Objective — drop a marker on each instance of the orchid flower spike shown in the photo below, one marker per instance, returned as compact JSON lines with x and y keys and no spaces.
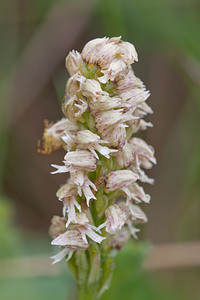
{"x":104,"y":105}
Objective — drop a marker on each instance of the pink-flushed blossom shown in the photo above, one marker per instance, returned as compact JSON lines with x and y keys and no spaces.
{"x":71,"y":240}
{"x":86,"y":229}
{"x":136,"y":193}
{"x":119,"y":179}
{"x":109,"y":118}
{"x":115,"y":135}
{"x":133,"y":213}
{"x":79,"y":163}
{"x":132,"y":98}
{"x":80,"y":160}
{"x":85,"y":139}
{"x":84,"y":185}
{"x":115,"y":219}
{"x":143,"y":151}
{"x":112,"y":56}
{"x":137,"y":214}
{"x":67,"y":194}
{"x":125,"y":155}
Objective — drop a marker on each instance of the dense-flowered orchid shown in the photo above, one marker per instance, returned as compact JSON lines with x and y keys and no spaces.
{"x":104,"y":105}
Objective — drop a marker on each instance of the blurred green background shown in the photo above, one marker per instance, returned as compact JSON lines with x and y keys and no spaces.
{"x":35,"y":38}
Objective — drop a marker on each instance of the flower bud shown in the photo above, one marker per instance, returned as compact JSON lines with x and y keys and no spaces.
{"x":73,"y":62}
{"x":119,"y":179}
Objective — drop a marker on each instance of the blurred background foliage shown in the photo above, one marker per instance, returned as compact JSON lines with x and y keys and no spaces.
{"x":35,"y":38}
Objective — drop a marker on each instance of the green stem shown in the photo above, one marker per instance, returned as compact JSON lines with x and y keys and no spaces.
{"x":87,"y":293}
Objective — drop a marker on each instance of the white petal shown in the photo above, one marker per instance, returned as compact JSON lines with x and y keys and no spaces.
{"x":77,"y":205}
{"x":84,"y":237}
{"x":60,"y":169}
{"x":70,"y":253}
{"x":93,"y":152}
{"x":59,"y":256}
{"x":132,"y":230}
{"x":94,"y":236}
{"x":102,"y":225}
{"x":91,"y":184}
{"x":88,"y":194}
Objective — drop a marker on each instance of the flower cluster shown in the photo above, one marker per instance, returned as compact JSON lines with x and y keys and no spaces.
{"x":104,"y":106}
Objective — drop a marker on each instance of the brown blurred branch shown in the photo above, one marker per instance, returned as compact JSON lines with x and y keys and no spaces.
{"x":47,"y":48}
{"x":173,"y":256}
{"x":191,"y":66}
{"x":168,"y":256}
